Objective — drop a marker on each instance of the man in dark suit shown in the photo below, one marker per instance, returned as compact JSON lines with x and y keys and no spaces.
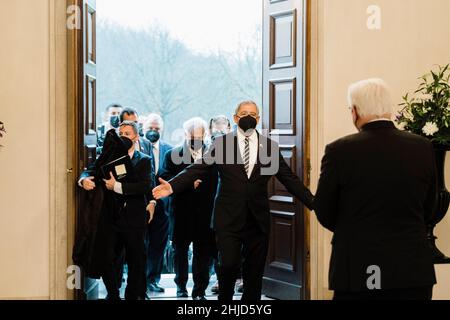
{"x":144,"y":146}
{"x":246,"y":162}
{"x":159,"y":228}
{"x":219,"y":126}
{"x":128,"y":224}
{"x":192,"y":210}
{"x":376,"y":192}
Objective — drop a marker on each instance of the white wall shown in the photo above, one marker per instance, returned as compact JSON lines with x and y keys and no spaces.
{"x":414,"y":36}
{"x":24,"y":161}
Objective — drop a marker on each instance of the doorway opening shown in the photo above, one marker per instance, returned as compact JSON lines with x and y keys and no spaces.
{"x":180,"y":60}
{"x":200,"y":59}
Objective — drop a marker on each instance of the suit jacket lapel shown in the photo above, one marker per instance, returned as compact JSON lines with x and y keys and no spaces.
{"x":257,"y":167}
{"x":240,"y":160}
{"x":136,"y":157}
{"x":161,"y":153}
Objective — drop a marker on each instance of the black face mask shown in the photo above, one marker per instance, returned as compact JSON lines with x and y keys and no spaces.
{"x":127,"y":143}
{"x":153,"y":136}
{"x":114,"y":121}
{"x":196,"y":144}
{"x":248,"y":123}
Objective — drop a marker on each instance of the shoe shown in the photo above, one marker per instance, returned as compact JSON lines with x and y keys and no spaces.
{"x":215,"y":288}
{"x":240,"y":286}
{"x":153,"y":287}
{"x":199,"y":298}
{"x":182,"y":293}
{"x":113,"y":298}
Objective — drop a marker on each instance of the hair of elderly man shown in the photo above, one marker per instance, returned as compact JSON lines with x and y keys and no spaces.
{"x":217,"y":119}
{"x":243,"y":103}
{"x":370,"y":97}
{"x":154,"y":117}
{"x":195,"y":123}
{"x":130,"y":124}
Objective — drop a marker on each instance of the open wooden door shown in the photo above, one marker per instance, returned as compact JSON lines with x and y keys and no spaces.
{"x":284,"y":41}
{"x":85,"y":47}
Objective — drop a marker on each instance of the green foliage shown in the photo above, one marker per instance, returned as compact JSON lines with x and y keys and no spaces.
{"x":429,"y":105}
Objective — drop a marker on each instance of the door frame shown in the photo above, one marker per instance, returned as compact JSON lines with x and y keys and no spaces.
{"x":62,"y":179}
{"x":64,"y":68}
{"x":319,"y":238}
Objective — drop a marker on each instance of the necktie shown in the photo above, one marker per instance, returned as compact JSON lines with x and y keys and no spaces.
{"x":247,"y":155}
{"x":154,"y":172}
{"x":155,"y":153}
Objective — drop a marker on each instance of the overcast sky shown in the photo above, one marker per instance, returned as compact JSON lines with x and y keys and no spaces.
{"x":203,"y":25}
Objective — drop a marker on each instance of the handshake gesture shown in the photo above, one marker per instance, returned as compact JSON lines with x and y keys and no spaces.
{"x":163,"y":190}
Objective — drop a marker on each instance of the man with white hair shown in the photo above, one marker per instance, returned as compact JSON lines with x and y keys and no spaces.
{"x":377,"y":191}
{"x":192,"y":210}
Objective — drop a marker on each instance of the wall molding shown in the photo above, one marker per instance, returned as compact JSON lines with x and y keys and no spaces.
{"x":319,"y":262}
{"x":58,"y":151}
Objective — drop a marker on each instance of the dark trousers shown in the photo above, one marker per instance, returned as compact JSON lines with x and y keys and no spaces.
{"x":200,"y":265}
{"x":157,"y":238}
{"x":252,"y":245}
{"x":214,"y":264}
{"x":419,"y":293}
{"x":132,"y":241}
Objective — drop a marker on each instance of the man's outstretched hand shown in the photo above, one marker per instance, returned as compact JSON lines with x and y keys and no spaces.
{"x":163,"y":190}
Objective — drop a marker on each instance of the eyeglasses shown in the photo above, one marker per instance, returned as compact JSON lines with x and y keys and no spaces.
{"x":246,"y":114}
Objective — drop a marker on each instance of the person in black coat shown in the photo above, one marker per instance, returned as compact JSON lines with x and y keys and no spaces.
{"x":377,"y":190}
{"x":246,"y":162}
{"x":144,"y":146}
{"x":97,"y":204}
{"x":192,"y":210}
{"x":127,"y":224}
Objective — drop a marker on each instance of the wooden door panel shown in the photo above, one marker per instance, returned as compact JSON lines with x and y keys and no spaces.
{"x":283,"y":101}
{"x":278,"y":192}
{"x":284,"y":118}
{"x":87,"y":109}
{"x":283,"y":257}
{"x":283,"y":39}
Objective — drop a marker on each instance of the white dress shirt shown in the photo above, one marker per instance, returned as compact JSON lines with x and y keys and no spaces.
{"x":196,"y":154}
{"x":253,"y":139}
{"x":156,"y":146}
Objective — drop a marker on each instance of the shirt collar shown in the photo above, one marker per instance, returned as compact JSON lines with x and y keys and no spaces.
{"x":156,"y":145}
{"x":242,"y":136}
{"x":381,"y":119}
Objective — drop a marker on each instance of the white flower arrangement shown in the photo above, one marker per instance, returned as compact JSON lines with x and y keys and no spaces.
{"x":430,"y":129}
{"x":427,"y":113}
